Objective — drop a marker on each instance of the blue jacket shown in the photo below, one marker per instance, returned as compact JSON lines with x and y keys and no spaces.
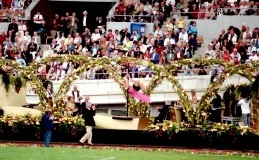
{"x":192,"y":30}
{"x":47,"y":122}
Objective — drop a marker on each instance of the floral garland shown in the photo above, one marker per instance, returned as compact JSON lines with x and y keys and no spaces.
{"x":171,"y":128}
{"x":65,"y":85}
{"x":70,"y":124}
{"x":163,"y":72}
{"x":204,"y":103}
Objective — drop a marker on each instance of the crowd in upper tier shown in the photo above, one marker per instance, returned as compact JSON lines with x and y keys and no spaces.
{"x":171,"y":40}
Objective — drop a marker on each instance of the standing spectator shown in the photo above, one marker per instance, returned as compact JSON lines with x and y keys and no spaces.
{"x":37,"y":19}
{"x":88,"y":115}
{"x":13,"y":27}
{"x":73,"y":24}
{"x":22,"y":28}
{"x":244,"y":103}
{"x":101,"y":25}
{"x":84,"y":21}
{"x":47,"y":126}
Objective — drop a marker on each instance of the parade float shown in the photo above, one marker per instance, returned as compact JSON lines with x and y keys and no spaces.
{"x":136,"y":127}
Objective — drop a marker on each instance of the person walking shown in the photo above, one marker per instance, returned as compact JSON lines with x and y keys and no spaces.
{"x":88,"y":115}
{"x":47,"y":124}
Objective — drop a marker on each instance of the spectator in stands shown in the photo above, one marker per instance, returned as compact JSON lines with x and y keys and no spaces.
{"x":243,"y":8}
{"x":72,"y":24}
{"x":235,"y":54}
{"x":70,"y":108}
{"x":121,"y":7}
{"x":101,"y":25}
{"x":36,"y":37}
{"x":109,"y":35}
{"x":254,"y":56}
{"x":84,"y":21}
{"x":27,"y":38}
{"x":22,"y":28}
{"x":141,"y":15}
{"x":13,"y":27}
{"x":2,"y":37}
{"x":180,"y":23}
{"x":20,"y":60}
{"x":202,"y":10}
{"x":183,"y":36}
{"x":147,"y":7}
{"x":38,"y":19}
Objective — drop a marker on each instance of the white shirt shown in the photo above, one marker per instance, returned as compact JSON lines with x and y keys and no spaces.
{"x":38,"y":16}
{"x":75,"y":96}
{"x":84,"y":21}
{"x":243,"y":9}
{"x":27,"y":39}
{"x":48,"y":53}
{"x":38,"y":58}
{"x":77,"y":39}
{"x":62,"y":75}
{"x":234,"y":38}
{"x":172,"y":2}
{"x":183,"y":36}
{"x":147,"y":8}
{"x":245,"y":34}
{"x":171,"y":41}
{"x":253,"y":58}
{"x":212,"y":53}
{"x":233,"y":55}
{"x":244,"y":106}
{"x":96,"y":37}
{"x":22,"y":27}
{"x":65,"y":65}
{"x":37,"y":40}
{"x":143,"y":48}
{"x":59,"y":39}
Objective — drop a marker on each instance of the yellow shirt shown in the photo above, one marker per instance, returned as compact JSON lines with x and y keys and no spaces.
{"x":181,"y":24}
{"x":169,"y":26}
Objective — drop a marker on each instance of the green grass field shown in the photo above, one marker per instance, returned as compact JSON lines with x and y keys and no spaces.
{"x":70,"y":153}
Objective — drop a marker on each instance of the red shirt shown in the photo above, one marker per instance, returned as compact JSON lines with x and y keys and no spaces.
{"x":159,"y":50}
{"x":226,"y":57}
{"x":109,"y":36}
{"x":2,"y":38}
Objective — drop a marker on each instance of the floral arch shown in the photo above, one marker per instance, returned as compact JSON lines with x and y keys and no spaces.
{"x":136,"y":108}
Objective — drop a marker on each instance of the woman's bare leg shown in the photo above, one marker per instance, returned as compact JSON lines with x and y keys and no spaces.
{"x":126,"y":82}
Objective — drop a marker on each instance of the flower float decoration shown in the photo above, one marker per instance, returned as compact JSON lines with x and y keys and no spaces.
{"x":136,"y":108}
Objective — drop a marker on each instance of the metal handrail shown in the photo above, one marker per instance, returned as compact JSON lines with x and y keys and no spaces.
{"x":217,"y":11}
{"x":131,"y":18}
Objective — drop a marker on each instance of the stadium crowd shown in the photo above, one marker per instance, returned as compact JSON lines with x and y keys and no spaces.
{"x":174,"y":41}
{"x":13,"y":8}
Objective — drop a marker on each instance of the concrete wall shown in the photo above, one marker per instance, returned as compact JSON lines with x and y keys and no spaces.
{"x":121,"y":25}
{"x":4,"y":26}
{"x":108,"y":92}
{"x":210,"y":29}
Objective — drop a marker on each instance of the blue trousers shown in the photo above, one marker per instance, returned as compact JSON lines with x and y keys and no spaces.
{"x":246,"y":119}
{"x":47,"y":137}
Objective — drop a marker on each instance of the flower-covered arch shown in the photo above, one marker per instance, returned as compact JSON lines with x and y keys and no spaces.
{"x":25,"y":74}
{"x":242,"y":70}
{"x":136,"y":108}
